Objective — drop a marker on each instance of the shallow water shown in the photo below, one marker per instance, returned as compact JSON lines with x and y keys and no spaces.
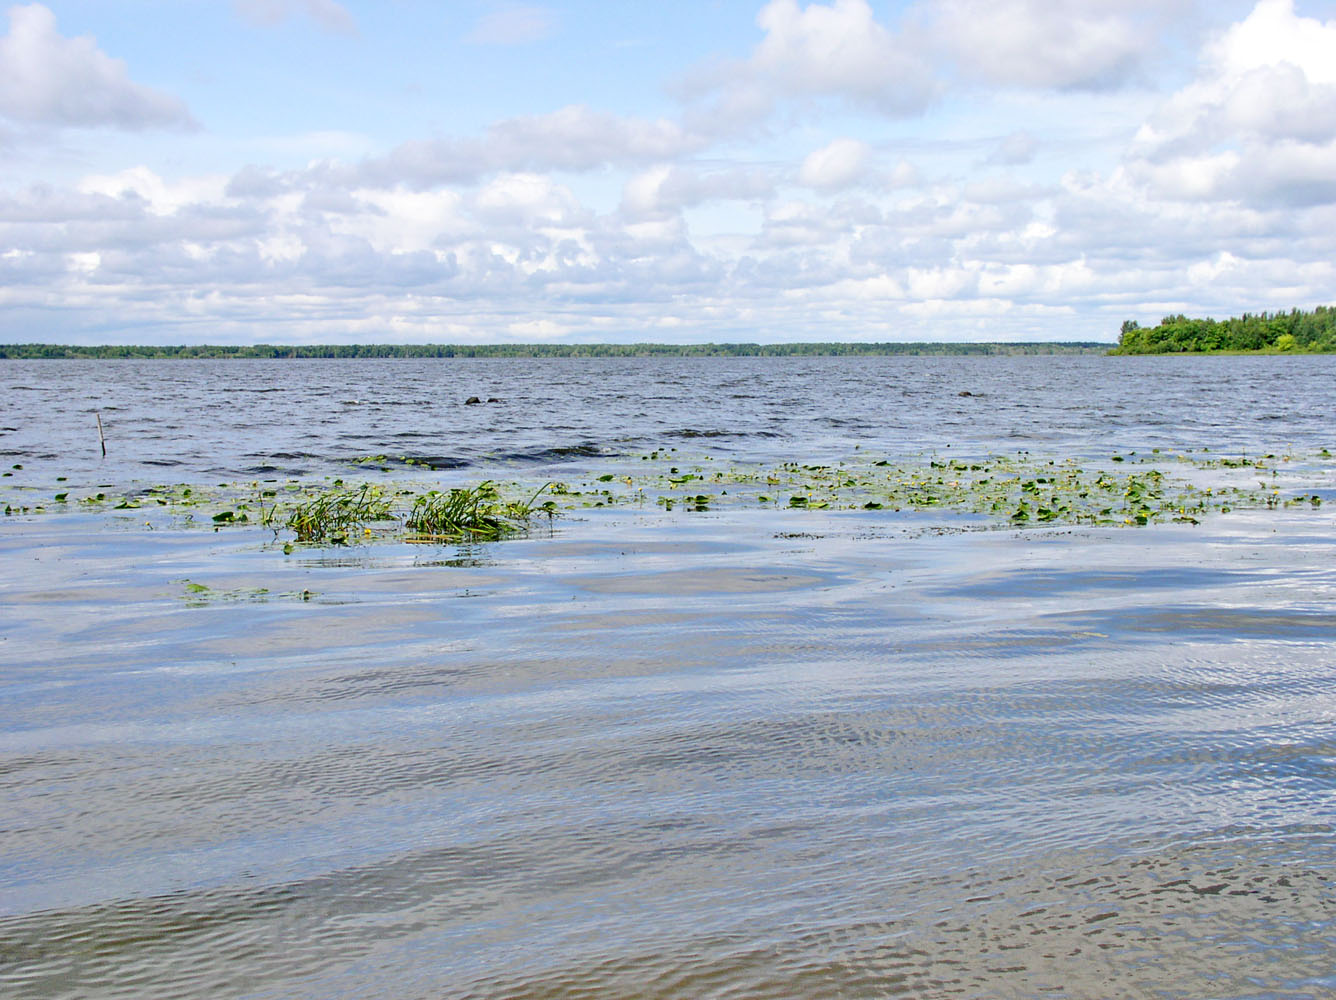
{"x":657,"y":754}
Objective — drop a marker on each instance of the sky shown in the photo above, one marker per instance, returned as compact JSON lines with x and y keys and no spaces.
{"x":316,"y":171}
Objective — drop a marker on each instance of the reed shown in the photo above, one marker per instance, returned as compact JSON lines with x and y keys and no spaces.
{"x":338,"y":514}
{"x":480,"y":512}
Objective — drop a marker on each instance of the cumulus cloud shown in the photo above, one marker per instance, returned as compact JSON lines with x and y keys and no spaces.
{"x":666,"y":189}
{"x":48,"y":79}
{"x":527,"y":200}
{"x":1259,"y":120}
{"x":839,"y":49}
{"x":799,"y":224}
{"x":472,"y":238}
{"x":1061,"y":44}
{"x":838,"y":165}
{"x":572,"y":138}
{"x":519,"y":25}
{"x":329,"y":14}
{"x":836,"y":50}
{"x":157,"y":194}
{"x":1271,"y":76}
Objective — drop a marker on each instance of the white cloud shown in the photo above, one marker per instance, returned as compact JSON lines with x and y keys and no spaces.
{"x":575,"y":138}
{"x":800,"y":224}
{"x":838,"y":49}
{"x":157,"y":195}
{"x":1062,"y":44}
{"x":903,"y":175}
{"x":329,"y":14}
{"x":835,"y":50}
{"x":48,"y":79}
{"x":527,"y":199}
{"x":490,"y":236}
{"x":838,"y":165}
{"x":1273,"y":34}
{"x":669,"y":189}
{"x":1259,"y":121}
{"x":538,"y":329}
{"x":520,"y":25}
{"x":1014,"y":150}
{"x":411,"y":220}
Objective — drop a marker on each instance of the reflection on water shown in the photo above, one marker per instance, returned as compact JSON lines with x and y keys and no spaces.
{"x":693,"y":757}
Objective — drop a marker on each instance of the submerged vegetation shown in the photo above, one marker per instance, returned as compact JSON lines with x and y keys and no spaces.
{"x":1292,"y":332}
{"x":998,"y":491}
{"x":124,"y":351}
{"x":479,"y":513}
{"x":337,"y":515}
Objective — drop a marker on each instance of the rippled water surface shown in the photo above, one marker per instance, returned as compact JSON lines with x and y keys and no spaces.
{"x":181,"y":420}
{"x":663,"y":754}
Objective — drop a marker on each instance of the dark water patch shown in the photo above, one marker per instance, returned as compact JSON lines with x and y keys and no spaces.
{"x":1192,"y":622}
{"x":406,"y":461}
{"x":1001,"y":645}
{"x":560,"y":453}
{"x":433,"y":462}
{"x":688,"y":432}
{"x":1018,"y":584}
{"x":675,"y":583}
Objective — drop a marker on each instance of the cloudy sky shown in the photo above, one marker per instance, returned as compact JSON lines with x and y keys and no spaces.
{"x":476,"y":171}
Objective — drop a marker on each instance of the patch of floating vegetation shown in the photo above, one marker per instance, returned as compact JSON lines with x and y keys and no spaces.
{"x":336,"y":515}
{"x":478,"y":513}
{"x":1008,"y":490}
{"x":1017,"y":490}
{"x":198,"y":595}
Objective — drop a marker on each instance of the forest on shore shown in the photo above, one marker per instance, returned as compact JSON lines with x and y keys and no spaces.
{"x":1295,"y":331}
{"x":123,"y":351}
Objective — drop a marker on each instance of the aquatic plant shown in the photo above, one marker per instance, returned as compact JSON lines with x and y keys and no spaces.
{"x":479,"y":512}
{"x":1003,"y":491}
{"x":337,"y":514}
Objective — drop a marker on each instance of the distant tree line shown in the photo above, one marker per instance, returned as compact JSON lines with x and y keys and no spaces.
{"x":1292,"y":331}
{"x":123,"y":351}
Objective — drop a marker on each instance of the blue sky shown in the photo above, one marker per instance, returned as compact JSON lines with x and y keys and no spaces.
{"x":322,"y":171}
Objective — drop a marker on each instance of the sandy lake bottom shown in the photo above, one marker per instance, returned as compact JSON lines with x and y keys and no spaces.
{"x":651,"y":754}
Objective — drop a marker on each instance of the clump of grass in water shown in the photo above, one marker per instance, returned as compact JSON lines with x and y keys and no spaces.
{"x":480,"y":512}
{"x":333,"y":516}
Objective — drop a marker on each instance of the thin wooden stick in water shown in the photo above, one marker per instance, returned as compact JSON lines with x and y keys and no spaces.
{"x":100,"y":435}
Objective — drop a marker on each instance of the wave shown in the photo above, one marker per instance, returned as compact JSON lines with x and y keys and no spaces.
{"x":560,"y":453}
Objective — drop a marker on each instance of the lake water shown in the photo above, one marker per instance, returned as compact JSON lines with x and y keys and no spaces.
{"x":654,"y":753}
{"x":206,"y":420}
